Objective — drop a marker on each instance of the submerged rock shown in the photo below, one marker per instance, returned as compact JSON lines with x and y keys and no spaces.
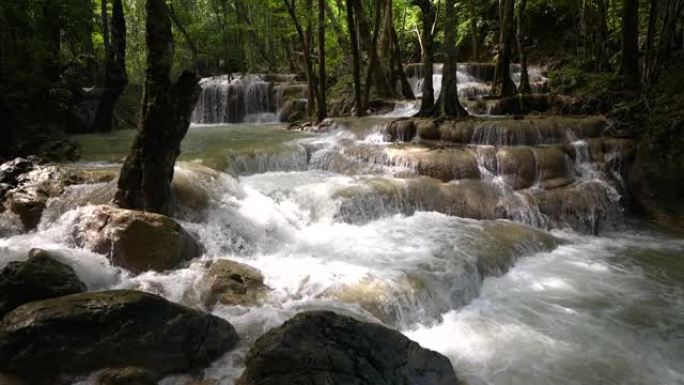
{"x":135,"y":240}
{"x":232,"y":283}
{"x":85,"y":332}
{"x":330,"y":349}
{"x":127,"y":376}
{"x":41,"y":277}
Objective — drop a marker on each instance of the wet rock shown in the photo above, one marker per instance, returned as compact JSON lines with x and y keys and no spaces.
{"x":444,"y":164}
{"x":40,"y":277}
{"x":505,"y":242}
{"x":51,"y":148}
{"x":11,"y":170}
{"x":468,"y":199}
{"x":32,"y":189}
{"x":528,"y":131}
{"x":402,"y":130}
{"x":327,"y":348}
{"x":378,"y":297}
{"x":81,"y":333}
{"x":135,"y":240}
{"x":589,"y":207}
{"x":127,"y":376}
{"x":232,"y":283}
{"x":427,"y":129}
{"x":293,"y":110}
{"x":516,"y":166}
{"x":553,"y":167}
{"x":28,"y":204}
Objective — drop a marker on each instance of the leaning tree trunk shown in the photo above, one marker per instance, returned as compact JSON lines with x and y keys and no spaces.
{"x":116,"y":78}
{"x":145,"y":179}
{"x":521,"y":35}
{"x":629,"y":67}
{"x":448,"y":102}
{"x":353,"y":33}
{"x":322,"y":108}
{"x":427,"y":13}
{"x":503,"y":85}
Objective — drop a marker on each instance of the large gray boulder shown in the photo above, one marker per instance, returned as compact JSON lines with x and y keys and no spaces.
{"x":41,"y":341}
{"x":324,"y":348}
{"x":136,"y":240}
{"x":41,"y":277}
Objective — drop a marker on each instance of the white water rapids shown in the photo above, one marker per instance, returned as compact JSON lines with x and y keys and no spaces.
{"x":507,"y":303}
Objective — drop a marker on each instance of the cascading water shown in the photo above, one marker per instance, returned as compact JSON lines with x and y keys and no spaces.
{"x":474,"y":81}
{"x":244,"y":98}
{"x":350,"y":221}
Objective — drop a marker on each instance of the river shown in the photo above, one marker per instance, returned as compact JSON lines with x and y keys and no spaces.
{"x":533,"y":302}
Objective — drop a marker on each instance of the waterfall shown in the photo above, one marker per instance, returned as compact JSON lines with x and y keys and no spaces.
{"x":241,"y":98}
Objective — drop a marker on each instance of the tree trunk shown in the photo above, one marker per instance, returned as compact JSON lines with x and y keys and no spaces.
{"x":116,"y":78}
{"x":353,"y":34}
{"x":145,"y":178}
{"x":673,"y":10}
{"x":521,"y":35}
{"x":305,"y":40}
{"x":188,"y":39}
{"x":448,"y":102}
{"x":427,"y":13}
{"x":322,"y":108}
{"x":629,"y":67}
{"x":406,"y":89}
{"x":503,"y":85}
{"x":373,"y":64}
{"x":650,"y":37}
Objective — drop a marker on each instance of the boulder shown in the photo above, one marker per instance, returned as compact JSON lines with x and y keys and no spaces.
{"x":445,"y":164}
{"x":232,"y":283}
{"x":136,"y":240}
{"x":82,"y":333}
{"x":127,"y":376}
{"x":402,"y":130}
{"x":41,"y":277}
{"x":516,"y":166}
{"x":11,"y":170}
{"x":427,"y":129}
{"x":28,"y":204}
{"x":322,"y":347}
{"x":33,"y":184}
{"x":293,"y":110}
{"x":554,"y":167}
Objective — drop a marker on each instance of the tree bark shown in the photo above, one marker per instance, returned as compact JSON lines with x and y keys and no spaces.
{"x":448,"y":103}
{"x":305,"y":40}
{"x":650,"y":38}
{"x":145,"y":178}
{"x":322,"y":108}
{"x":521,"y":35}
{"x":406,"y":89}
{"x":503,"y":85}
{"x":629,"y":67}
{"x":427,"y":13}
{"x":373,"y":64}
{"x":194,"y":52}
{"x":673,"y":11}
{"x":116,"y":78}
{"x":356,"y":58}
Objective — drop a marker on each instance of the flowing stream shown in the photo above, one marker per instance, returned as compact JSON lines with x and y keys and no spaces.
{"x":336,"y":221}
